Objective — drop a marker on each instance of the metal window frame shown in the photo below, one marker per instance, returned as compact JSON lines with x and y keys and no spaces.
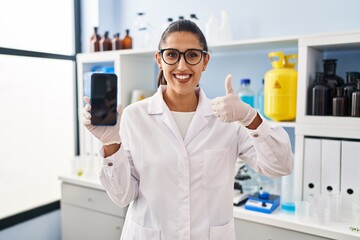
{"x":38,"y":211}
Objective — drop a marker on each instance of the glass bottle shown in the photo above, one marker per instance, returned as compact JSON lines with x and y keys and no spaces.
{"x":330,"y":77}
{"x":225,"y":29}
{"x":95,"y":41}
{"x":339,"y":103}
{"x":195,"y":19}
{"x":167,"y":23}
{"x":212,"y":30}
{"x":126,"y":42}
{"x":245,"y":92}
{"x":320,"y":96}
{"x":355,"y":106}
{"x":141,"y":31}
{"x":350,"y":87}
{"x":309,"y":106}
{"x":105,"y":42}
{"x":116,"y":42}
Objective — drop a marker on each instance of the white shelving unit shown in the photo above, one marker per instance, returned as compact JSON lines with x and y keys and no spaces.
{"x":136,"y":69}
{"x":312,"y":50}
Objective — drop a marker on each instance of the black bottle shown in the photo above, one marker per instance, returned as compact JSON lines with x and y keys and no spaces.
{"x":320,"y":97}
{"x":331,"y":79}
{"x":355,"y":106}
{"x":309,"y":93}
{"x":350,"y":87}
{"x":339,"y":107}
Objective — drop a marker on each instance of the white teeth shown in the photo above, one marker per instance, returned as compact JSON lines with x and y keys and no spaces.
{"x":182,"y":77}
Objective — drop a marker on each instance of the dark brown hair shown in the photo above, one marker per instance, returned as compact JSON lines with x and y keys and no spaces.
{"x":182,"y":25}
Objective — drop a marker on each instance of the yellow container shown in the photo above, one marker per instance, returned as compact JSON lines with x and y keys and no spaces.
{"x":280,"y":87}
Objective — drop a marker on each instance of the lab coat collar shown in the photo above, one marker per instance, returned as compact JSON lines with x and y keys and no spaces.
{"x":203,"y":110}
{"x":157,"y":104}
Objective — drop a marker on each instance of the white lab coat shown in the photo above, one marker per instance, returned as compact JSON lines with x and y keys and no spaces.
{"x":182,"y":189}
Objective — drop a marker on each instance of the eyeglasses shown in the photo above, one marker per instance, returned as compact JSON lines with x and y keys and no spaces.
{"x":172,"y":56}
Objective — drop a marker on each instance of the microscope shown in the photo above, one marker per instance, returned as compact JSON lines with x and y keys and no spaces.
{"x":259,"y":200}
{"x":240,"y":197}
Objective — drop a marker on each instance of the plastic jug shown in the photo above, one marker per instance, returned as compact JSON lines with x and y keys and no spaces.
{"x":280,"y":87}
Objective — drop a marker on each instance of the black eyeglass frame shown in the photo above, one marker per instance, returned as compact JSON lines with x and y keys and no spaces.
{"x":203,"y":52}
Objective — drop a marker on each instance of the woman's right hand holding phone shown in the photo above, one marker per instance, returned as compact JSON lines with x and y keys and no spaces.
{"x":109,"y":136}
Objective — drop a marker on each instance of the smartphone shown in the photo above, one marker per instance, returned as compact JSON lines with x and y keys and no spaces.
{"x":103,"y":95}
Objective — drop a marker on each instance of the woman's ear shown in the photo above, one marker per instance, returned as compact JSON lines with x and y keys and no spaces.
{"x":206,"y":61}
{"x":158,"y":60}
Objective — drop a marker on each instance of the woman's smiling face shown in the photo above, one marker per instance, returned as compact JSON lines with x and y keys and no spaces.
{"x":181,"y":77}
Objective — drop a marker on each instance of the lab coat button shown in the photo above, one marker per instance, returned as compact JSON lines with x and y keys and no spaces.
{"x":255,"y":135}
{"x":110,"y":164}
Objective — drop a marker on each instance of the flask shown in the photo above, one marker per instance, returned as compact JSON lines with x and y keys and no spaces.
{"x":245,"y":92}
{"x":339,"y":103}
{"x":320,"y":95}
{"x":260,"y":100}
{"x":355,"y":105}
{"x":95,"y":41}
{"x":116,"y":42}
{"x":126,"y":42}
{"x":280,"y":87}
{"x":141,"y":35}
{"x":105,"y":42}
{"x":287,"y":193}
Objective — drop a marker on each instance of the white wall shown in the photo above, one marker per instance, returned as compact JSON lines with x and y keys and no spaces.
{"x":250,"y":19}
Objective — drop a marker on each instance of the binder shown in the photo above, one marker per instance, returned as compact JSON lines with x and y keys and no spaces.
{"x":350,"y":173}
{"x":312,"y":168}
{"x":330,"y":166}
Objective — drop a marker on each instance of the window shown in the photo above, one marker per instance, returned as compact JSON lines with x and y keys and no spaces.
{"x":38,"y":101}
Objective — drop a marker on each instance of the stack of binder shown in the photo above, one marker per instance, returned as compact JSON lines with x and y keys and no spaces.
{"x":332,"y":167}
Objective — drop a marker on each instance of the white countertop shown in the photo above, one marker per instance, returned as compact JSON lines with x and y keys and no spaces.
{"x":82,"y":181}
{"x":340,"y":230}
{"x":278,"y":218}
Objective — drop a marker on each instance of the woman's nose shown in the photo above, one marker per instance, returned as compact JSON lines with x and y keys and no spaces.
{"x":182,"y":65}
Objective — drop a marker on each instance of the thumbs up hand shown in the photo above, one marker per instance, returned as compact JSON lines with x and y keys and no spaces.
{"x":230,"y":108}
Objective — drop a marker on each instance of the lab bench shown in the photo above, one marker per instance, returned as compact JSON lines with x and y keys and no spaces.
{"x":88,"y":213}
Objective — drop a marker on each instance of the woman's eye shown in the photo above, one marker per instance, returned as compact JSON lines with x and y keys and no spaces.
{"x":172,"y":54}
{"x":192,"y":55}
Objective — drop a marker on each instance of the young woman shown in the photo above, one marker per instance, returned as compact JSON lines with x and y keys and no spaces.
{"x":172,"y":156}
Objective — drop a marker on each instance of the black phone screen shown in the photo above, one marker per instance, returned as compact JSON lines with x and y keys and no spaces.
{"x":103,"y":99}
